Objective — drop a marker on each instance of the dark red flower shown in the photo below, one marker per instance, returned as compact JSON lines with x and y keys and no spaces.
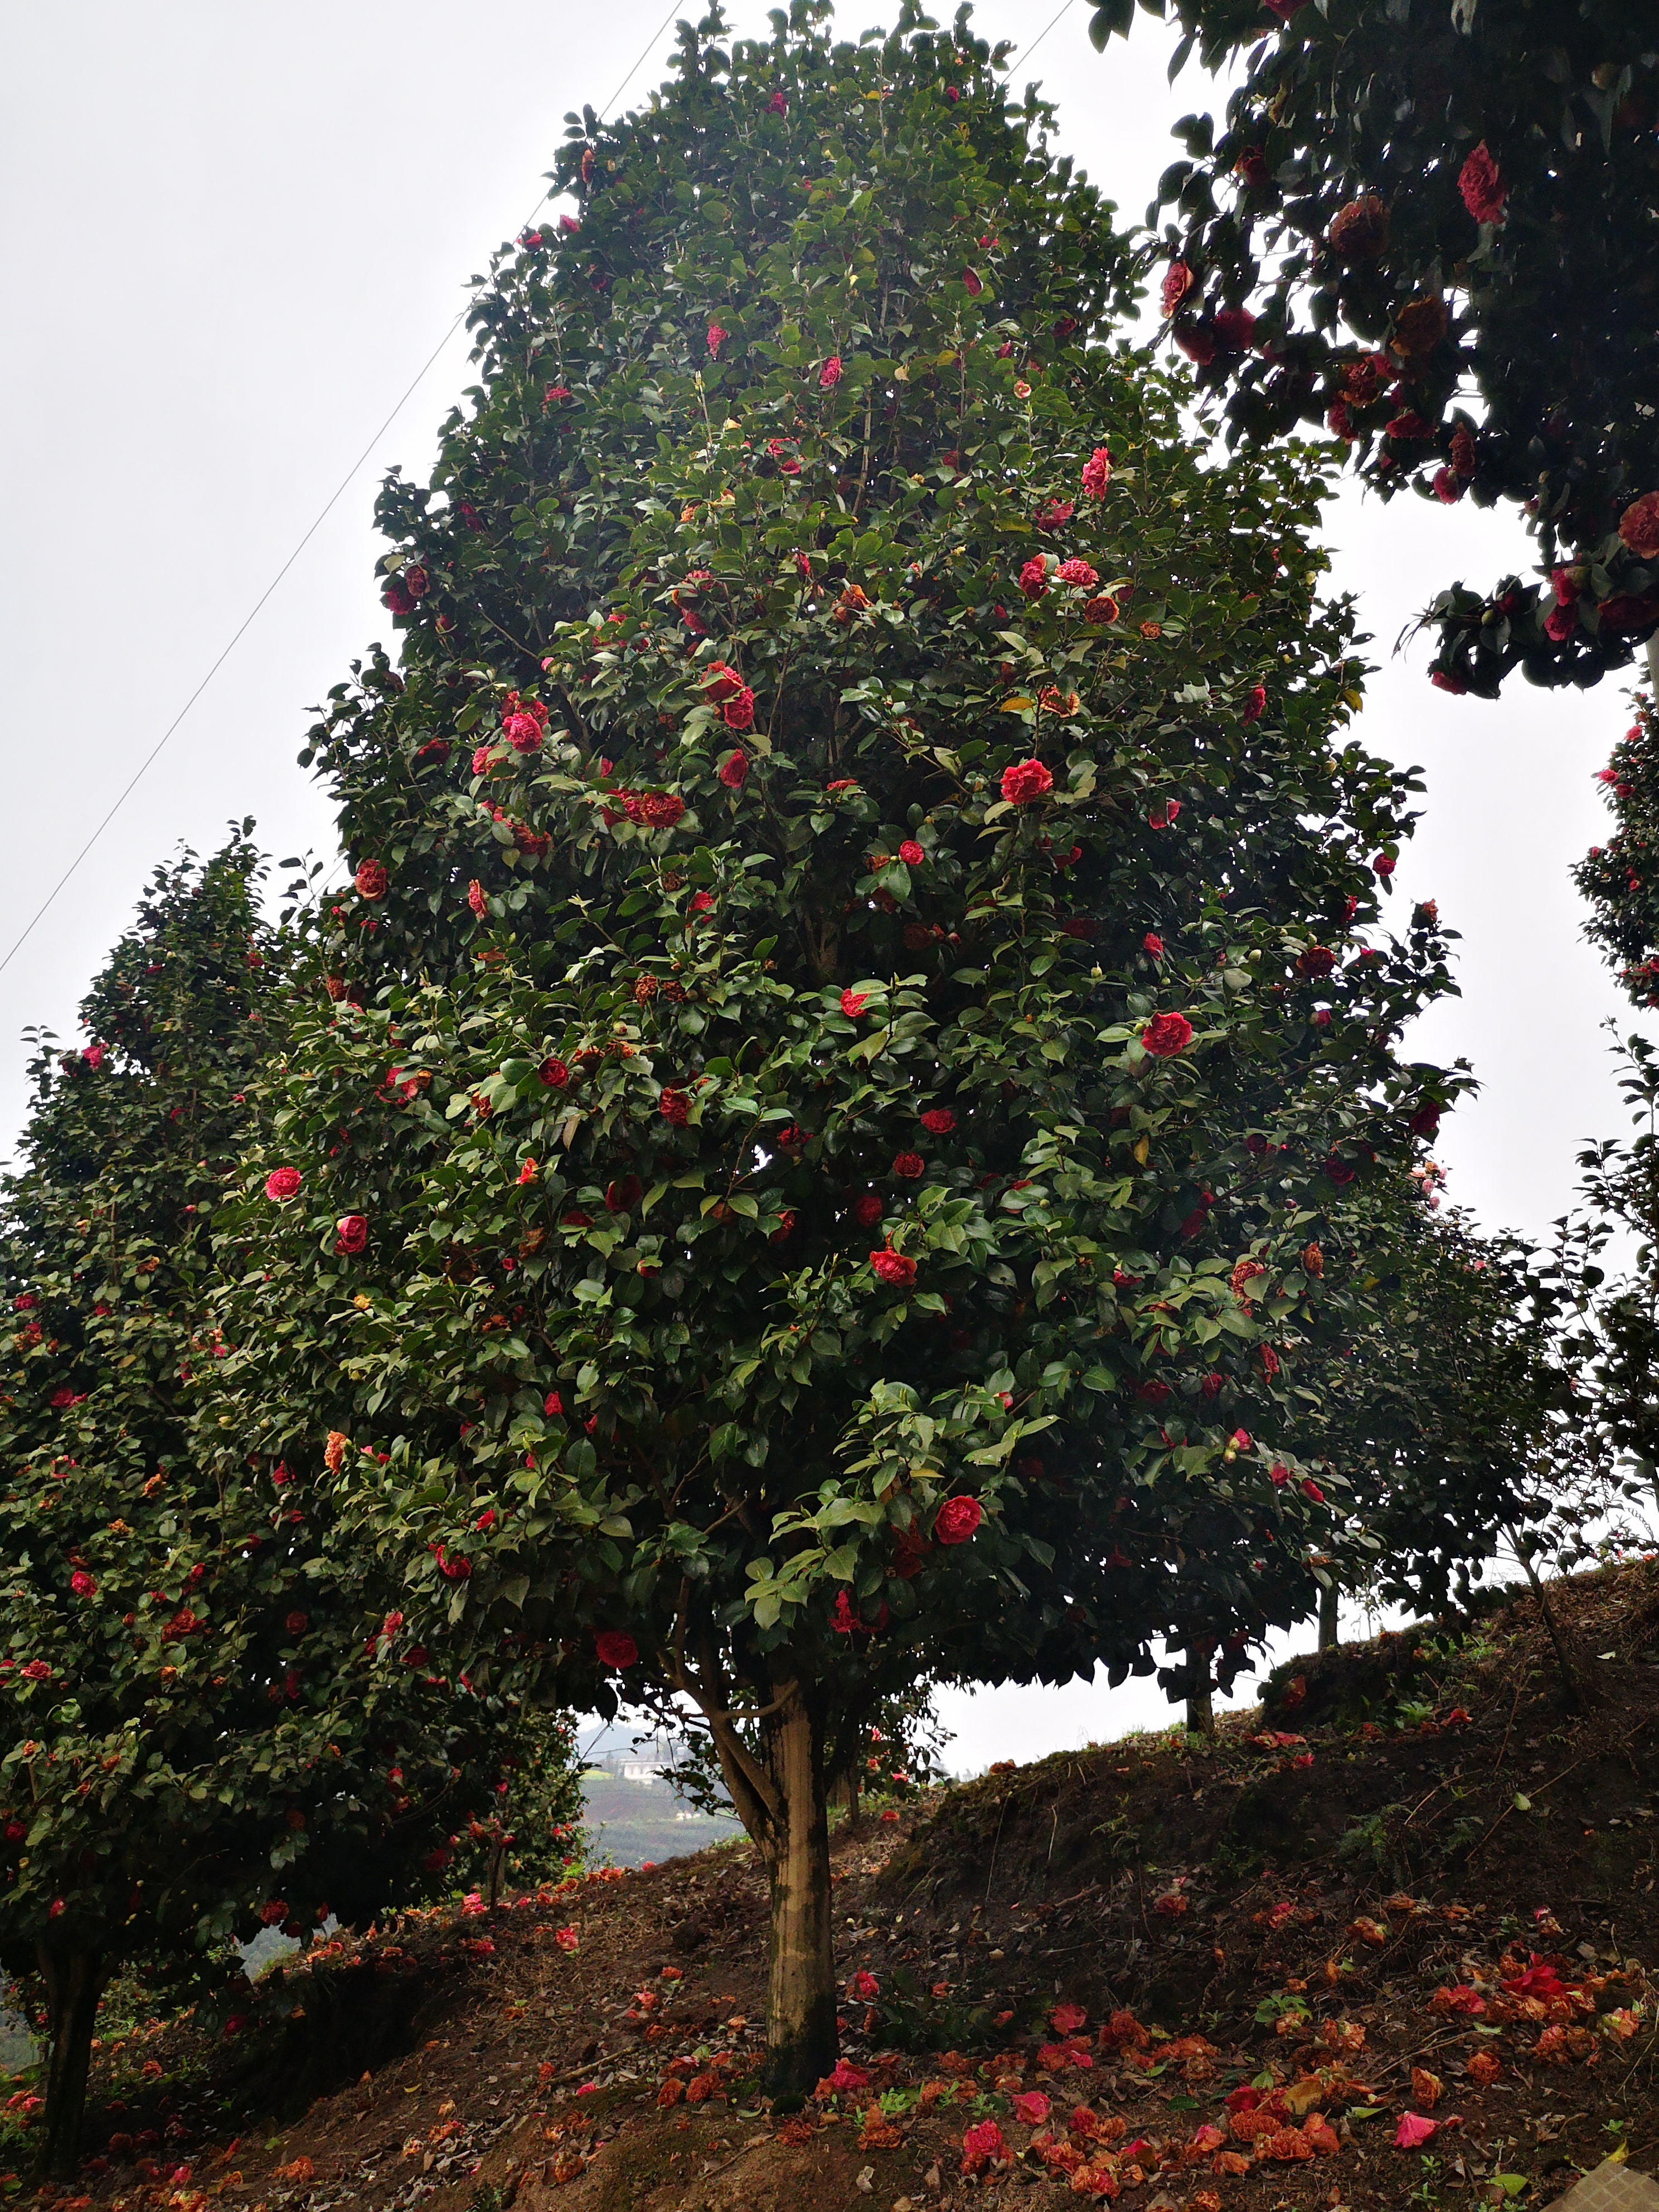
{"x":1638,"y":527}
{"x":1483,"y":189}
{"x":738,"y":713}
{"x":910,"y":1165}
{"x":1177,"y":282}
{"x":1097,"y":472}
{"x":1359,"y":231}
{"x":1034,"y":577}
{"x":552,"y":1404}
{"x":1153,"y":945}
{"x":911,"y":853}
{"x":553,"y":1073}
{"x":1104,"y":609}
{"x":615,"y":1649}
{"x":623,"y":1193}
{"x":673,"y":1106}
{"x":350,"y":1233}
{"x":956,"y":1520}
{"x":476,"y":899}
{"x":939,"y":1121}
{"x":370,"y":879}
{"x":829,"y":374}
{"x":1166,"y":1034}
{"x":853,"y":1003}
{"x":1152,"y":1394}
{"x":735,"y":769}
{"x":1254,"y":704}
{"x":1235,"y":327}
{"x":867,"y":1210}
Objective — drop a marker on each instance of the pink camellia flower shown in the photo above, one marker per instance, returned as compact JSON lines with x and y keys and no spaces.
{"x":735,"y":769}
{"x":350,"y":1233}
{"x":566,"y":1938}
{"x":615,"y":1649}
{"x":1097,"y":472}
{"x":1483,"y":189}
{"x":1638,"y":527}
{"x":1254,"y":705}
{"x":1177,"y":282}
{"x":94,"y":1056}
{"x":911,"y":853}
{"x":829,"y":374}
{"x":893,"y":1269}
{"x":1240,"y":1440}
{"x":1079,"y":572}
{"x":370,"y":879}
{"x":715,"y":337}
{"x":1031,"y":2108}
{"x":476,"y":899}
{"x":522,"y":731}
{"x":482,"y":758}
{"x":1153,"y":944}
{"x":777,"y":105}
{"x":83,"y":1583}
{"x":1025,"y":780}
{"x":956,"y":1520}
{"x":1413,"y":2129}
{"x":852,"y":1004}
{"x":282,"y":1182}
{"x":982,"y":2145}
{"x":1166,"y":1034}
{"x":1034,"y":577}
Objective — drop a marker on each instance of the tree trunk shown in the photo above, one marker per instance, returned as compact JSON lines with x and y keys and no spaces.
{"x":781,"y":1798}
{"x":1200,"y":1701}
{"x":75,"y":1982}
{"x":1328,"y":1619}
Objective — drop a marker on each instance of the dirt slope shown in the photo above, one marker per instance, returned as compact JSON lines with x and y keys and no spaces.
{"x":1420,"y":1887}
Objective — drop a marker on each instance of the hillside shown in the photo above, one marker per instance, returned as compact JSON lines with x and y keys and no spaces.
{"x":1419,"y":1884}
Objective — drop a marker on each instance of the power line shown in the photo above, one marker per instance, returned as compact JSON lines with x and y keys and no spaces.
{"x":1025,"y":57}
{"x":322,"y":515}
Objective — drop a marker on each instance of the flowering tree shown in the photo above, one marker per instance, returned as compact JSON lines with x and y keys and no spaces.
{"x":1431,"y":228}
{"x":208,"y":1721}
{"x":804,"y":1166}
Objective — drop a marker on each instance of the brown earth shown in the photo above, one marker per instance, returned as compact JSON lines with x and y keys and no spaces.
{"x":1420,"y":1855}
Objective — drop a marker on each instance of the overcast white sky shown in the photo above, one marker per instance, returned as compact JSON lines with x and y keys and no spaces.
{"x":233,"y":235}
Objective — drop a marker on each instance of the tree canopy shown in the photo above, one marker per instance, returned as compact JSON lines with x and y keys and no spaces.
{"x":1429,"y":225}
{"x":211,"y":1717}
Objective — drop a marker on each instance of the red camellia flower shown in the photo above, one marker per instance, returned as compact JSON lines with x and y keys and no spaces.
{"x":852,"y":1004}
{"x":1235,"y":327}
{"x":1034,"y":577}
{"x":615,"y":1649}
{"x":829,"y":374}
{"x":911,"y":1165}
{"x":720,"y":682}
{"x":476,"y":899}
{"x":911,"y":853}
{"x":735,"y":769}
{"x":1153,"y":945}
{"x":35,"y":1671}
{"x":553,"y":1073}
{"x":738,"y":713}
{"x":674,"y":1106}
{"x":702,"y":903}
{"x":351,"y":1233}
{"x":867,"y":1210}
{"x":522,"y":731}
{"x":1177,"y":282}
{"x":1097,"y":472}
{"x":938,"y":1120}
{"x":1165,"y":1035}
{"x":282,"y":1182}
{"x":370,"y":879}
{"x":1383,"y":866}
{"x":715,"y":337}
{"x":1079,"y":572}
{"x":1310,"y":1488}
{"x":895,"y":1268}
{"x":297,"y":1623}
{"x":623,"y":1193}
{"x":1638,"y":527}
{"x":1025,"y":781}
{"x":1161,"y":817}
{"x":1102,"y":609}
{"x":1446,"y":488}
{"x":1254,"y":704}
{"x":956,"y":1520}
{"x":1483,"y":189}
{"x":83,"y":1583}
{"x":552,"y":1404}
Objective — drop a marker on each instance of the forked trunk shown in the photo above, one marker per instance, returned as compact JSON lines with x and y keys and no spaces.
{"x":781,"y":1799}
{"x":74,"y":1981}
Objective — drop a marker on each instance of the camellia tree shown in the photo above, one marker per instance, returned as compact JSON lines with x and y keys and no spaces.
{"x":212,"y":1718}
{"x":802,"y":1165}
{"x":1429,"y":224}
